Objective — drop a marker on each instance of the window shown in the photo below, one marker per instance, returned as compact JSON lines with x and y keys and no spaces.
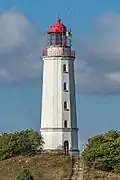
{"x":52,"y":39}
{"x":65,"y":123}
{"x":64,"y":68}
{"x":65,"y":105}
{"x":65,"y":86}
{"x":58,"y":39}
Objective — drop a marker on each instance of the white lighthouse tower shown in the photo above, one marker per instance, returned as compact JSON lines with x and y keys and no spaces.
{"x":58,"y":117}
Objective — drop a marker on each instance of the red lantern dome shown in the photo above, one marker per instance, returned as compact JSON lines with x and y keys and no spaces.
{"x":58,"y":27}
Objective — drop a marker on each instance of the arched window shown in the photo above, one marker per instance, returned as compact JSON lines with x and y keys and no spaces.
{"x":64,"y":68}
{"x":65,"y":105}
{"x":65,"y":123}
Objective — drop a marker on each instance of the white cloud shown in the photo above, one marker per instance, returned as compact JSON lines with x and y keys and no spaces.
{"x":100,"y":70}
{"x":20,"y":48}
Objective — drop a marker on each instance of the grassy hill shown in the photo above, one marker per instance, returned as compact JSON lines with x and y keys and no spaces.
{"x":43,"y":167}
{"x":92,"y":174}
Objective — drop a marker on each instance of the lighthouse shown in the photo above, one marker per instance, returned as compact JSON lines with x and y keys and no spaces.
{"x":58,"y":116}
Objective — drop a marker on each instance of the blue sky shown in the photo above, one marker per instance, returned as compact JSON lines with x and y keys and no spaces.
{"x":95,"y":26}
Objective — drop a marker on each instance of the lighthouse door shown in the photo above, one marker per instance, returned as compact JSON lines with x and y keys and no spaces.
{"x":66,"y":147}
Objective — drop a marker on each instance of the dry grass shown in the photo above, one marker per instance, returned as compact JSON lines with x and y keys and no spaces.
{"x":92,"y":174}
{"x":44,"y":166}
{"x":48,"y":167}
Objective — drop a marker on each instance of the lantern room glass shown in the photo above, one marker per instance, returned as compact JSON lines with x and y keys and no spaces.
{"x":58,"y":39}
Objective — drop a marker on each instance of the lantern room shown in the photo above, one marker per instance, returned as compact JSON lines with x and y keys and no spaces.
{"x":58,"y":35}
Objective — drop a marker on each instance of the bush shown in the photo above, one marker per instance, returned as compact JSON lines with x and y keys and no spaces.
{"x":103,"y":152}
{"x":25,"y":174}
{"x":20,"y":143}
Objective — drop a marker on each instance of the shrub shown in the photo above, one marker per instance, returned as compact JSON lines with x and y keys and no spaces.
{"x":24,"y":174}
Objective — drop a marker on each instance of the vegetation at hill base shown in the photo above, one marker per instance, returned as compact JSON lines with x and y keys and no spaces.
{"x":94,"y":174}
{"x":24,"y":174}
{"x":103,"y":152}
{"x":26,"y":142}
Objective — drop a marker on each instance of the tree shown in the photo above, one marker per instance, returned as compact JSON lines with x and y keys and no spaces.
{"x":24,"y":174}
{"x":103,"y":151}
{"x":26,"y":142}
